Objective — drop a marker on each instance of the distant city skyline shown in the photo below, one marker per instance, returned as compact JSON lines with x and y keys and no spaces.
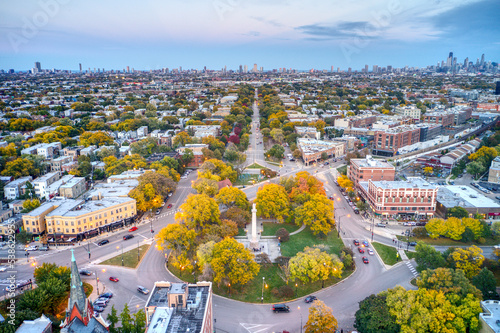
{"x":62,"y":34}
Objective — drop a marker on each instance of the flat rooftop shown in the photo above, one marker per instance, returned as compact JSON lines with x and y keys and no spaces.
{"x":370,"y":162}
{"x":411,"y":183}
{"x":464,"y":196}
{"x":491,"y":316}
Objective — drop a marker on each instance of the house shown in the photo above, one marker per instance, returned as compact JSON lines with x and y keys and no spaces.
{"x":494,"y":172}
{"x":39,"y":325}
{"x":42,"y":183}
{"x":312,"y":150}
{"x":13,"y":189}
{"x":198,"y":158}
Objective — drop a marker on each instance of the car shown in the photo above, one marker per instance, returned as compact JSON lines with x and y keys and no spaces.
{"x":85,"y":272}
{"x":365,"y":243}
{"x":106,"y":295}
{"x":169,"y":206}
{"x":143,"y":290}
{"x":114,"y":279}
{"x":103,"y":242}
{"x":497,"y":246}
{"x":3,"y":268}
{"x":32,"y":248}
{"x":356,"y":211}
{"x":128,"y":237}
{"x":413,"y":243}
{"x":98,"y":308}
{"x":100,"y":303}
{"x":356,"y":242}
{"x":280,"y":308}
{"x":158,"y":211}
{"x":361,"y":250}
{"x":370,"y":252}
{"x":365,"y":260}
{"x":420,"y":224}
{"x":310,"y":299}
{"x":381,"y":225}
{"x":43,"y":248}
{"x":497,"y":197}
{"x":132,"y":229}
{"x":103,"y":299}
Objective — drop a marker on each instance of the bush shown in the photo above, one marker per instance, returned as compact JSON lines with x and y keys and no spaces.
{"x":283,"y":235}
{"x":282,"y":260}
{"x":286,"y":291}
{"x":347,"y":250}
{"x":420,"y":232}
{"x":481,"y":240}
{"x":347,"y":260}
{"x":467,"y":236}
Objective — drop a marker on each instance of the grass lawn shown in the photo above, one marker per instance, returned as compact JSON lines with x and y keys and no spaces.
{"x":410,"y":254}
{"x":241,"y":232}
{"x":255,"y":166}
{"x":305,"y":238}
{"x":252,"y":292}
{"x":342,"y":170}
{"x":247,"y":180}
{"x":447,"y":241}
{"x":387,"y":253}
{"x":129,"y":257}
{"x":270,"y":228}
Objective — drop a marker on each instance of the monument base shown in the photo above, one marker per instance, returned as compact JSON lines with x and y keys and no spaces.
{"x":254,"y":245}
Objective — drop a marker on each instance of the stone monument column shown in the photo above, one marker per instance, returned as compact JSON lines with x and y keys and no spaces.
{"x":254,"y":242}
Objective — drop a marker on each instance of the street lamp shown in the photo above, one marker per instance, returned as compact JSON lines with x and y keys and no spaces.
{"x":97,"y":281}
{"x":138,"y":255}
{"x":323,"y":280}
{"x":262,"y":297}
{"x":300,"y":319}
{"x":296,"y":289}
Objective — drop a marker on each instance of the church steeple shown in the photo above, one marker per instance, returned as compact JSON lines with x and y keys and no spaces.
{"x":77,"y":293}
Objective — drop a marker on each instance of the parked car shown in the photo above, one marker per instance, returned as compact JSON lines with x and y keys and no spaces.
{"x":32,"y":248}
{"x":143,"y":290}
{"x":310,"y":299}
{"x":98,"y":308}
{"x":356,"y":211}
{"x":280,"y":308}
{"x":370,"y":252}
{"x":43,"y":248}
{"x":106,"y":295}
{"x":100,"y":303}
{"x":356,"y":242}
{"x":413,"y":243}
{"x":114,"y":279}
{"x":365,"y":260}
{"x":128,"y":237}
{"x":85,"y":272}
{"x":158,"y":211}
{"x":103,"y":299}
{"x":421,"y":224}
{"x":103,"y":242}
{"x":361,"y":250}
{"x":381,"y":225}
{"x":132,"y":229}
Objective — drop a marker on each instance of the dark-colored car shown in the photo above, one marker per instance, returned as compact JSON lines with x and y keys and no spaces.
{"x":113,"y":278}
{"x":280,"y":308}
{"x":366,"y":244}
{"x":106,"y":295}
{"x":413,"y":243}
{"x":158,"y":211}
{"x":421,"y":224}
{"x":361,"y":250}
{"x":356,"y":211}
{"x":365,"y":260}
{"x":132,"y":229}
{"x":128,"y":237}
{"x":98,"y":308}
{"x":356,"y":242}
{"x":310,"y":299}
{"x":143,"y":290}
{"x":381,"y":225}
{"x":85,"y":272}
{"x":103,"y":242}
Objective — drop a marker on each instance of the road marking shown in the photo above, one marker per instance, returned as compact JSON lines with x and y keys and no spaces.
{"x":412,"y":269}
{"x":136,"y":302}
{"x":6,"y":282}
{"x":255,"y":328}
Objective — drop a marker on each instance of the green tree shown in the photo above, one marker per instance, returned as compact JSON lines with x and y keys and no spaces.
{"x":24,"y":237}
{"x":276,"y":151}
{"x":181,"y":139}
{"x":126,"y":320}
{"x":321,"y":319}
{"x":312,"y":265}
{"x":272,"y":202}
{"x":474,"y":225}
{"x":458,"y":212}
{"x":427,"y":257}
{"x":139,"y":321}
{"x":233,"y":263}
{"x":113,"y":319}
{"x":55,"y":290}
{"x":206,"y":186}
{"x":35,"y":299}
{"x":448,"y":281}
{"x":373,"y":316}
{"x":486,"y":283}
{"x":475,"y":168}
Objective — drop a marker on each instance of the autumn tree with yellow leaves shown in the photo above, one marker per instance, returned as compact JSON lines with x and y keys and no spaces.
{"x":321,"y":319}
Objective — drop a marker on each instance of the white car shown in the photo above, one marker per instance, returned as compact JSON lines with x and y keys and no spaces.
{"x":32,"y":248}
{"x":497,"y":246}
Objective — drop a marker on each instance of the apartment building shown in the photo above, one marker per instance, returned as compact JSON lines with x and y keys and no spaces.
{"x":73,"y":188}
{"x":12,"y":190}
{"x":57,"y":163}
{"x":387,"y":142}
{"x":308,"y":132}
{"x":312,"y":149}
{"x":42,"y":183}
{"x":203,"y":131}
{"x":412,"y":198}
{"x":408,"y":111}
{"x":70,"y":218}
{"x":198,"y":158}
{"x":445,"y":119}
{"x":364,"y":169}
{"x":494,"y":172}
{"x":74,"y":152}
{"x":356,"y":121}
{"x":47,"y":150}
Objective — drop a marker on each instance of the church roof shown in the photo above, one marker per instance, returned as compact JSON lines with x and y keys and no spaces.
{"x":77,"y":293}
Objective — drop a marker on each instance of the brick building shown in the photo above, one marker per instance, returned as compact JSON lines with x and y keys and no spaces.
{"x":312,"y":150}
{"x":198,"y":158}
{"x":442,"y":118}
{"x":387,"y":142}
{"x":364,"y":169}
{"x":356,"y":121}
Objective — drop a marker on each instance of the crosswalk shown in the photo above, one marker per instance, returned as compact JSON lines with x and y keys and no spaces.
{"x":256,"y":328}
{"x":136,"y":303}
{"x":7,"y":282}
{"x":412,"y":269}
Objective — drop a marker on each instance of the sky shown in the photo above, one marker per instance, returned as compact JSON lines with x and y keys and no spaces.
{"x":315,"y":34}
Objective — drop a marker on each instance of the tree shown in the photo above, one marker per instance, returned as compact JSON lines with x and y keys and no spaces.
{"x":147,"y":198}
{"x":427,"y":257}
{"x":362,"y":206}
{"x":469,"y":260}
{"x":218,"y":170}
{"x":474,"y":225}
{"x":112,"y":318}
{"x":436,"y":227}
{"x":24,"y":237}
{"x":20,"y":167}
{"x":35,"y":299}
{"x":114,"y":166}
{"x":181,"y":139}
{"x":55,"y":290}
{"x":283,"y":235}
{"x":176,"y":237}
{"x":238,"y":215}
{"x":98,"y":139}
{"x":233,"y":263}
{"x":458,"y":212}
{"x":29,"y":205}
{"x":312,"y":265}
{"x":486,"y":283}
{"x":447,"y":281}
{"x":373,"y":316}
{"x":144,"y":147}
{"x":139,"y":321}
{"x":276,"y":151}
{"x":345,"y":182}
{"x":206,"y":186}
{"x":272,"y":201}
{"x":198,"y":211}
{"x":204,"y":253}
{"x":475,"y":168}
{"x":126,"y":320}
{"x":231,"y":197}
{"x":428,"y":170}
{"x":320,"y":319}
{"x":317,"y":213}
{"x":495,"y":228}
{"x":48,"y":271}
{"x":454,"y":228}
{"x":277,"y":135}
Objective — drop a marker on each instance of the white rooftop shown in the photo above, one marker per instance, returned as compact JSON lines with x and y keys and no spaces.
{"x":464,"y":196}
{"x":491,"y":316}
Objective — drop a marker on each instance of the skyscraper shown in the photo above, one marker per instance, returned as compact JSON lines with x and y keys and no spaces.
{"x":80,"y":68}
{"x":449,"y":60}
{"x":497,"y":90}
{"x":38,"y":67}
{"x":254,"y":68}
{"x":245,"y":70}
{"x":240,"y":69}
{"x":482,"y":60}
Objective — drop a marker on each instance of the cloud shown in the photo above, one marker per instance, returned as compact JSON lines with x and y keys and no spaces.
{"x":252,"y":33}
{"x":341,"y":30}
{"x":266,"y":21}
